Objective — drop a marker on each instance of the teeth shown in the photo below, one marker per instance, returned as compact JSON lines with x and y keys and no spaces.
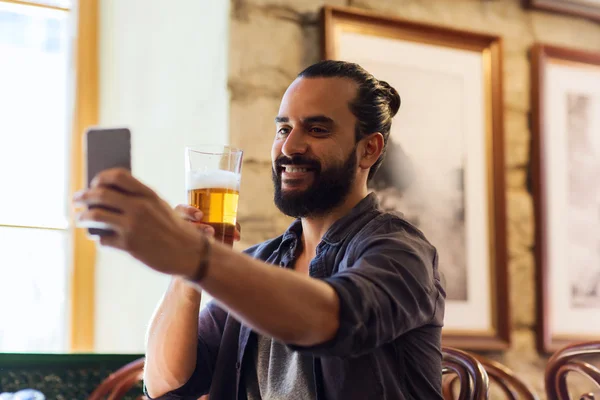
{"x":293,"y":169}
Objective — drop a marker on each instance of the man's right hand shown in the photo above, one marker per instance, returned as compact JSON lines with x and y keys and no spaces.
{"x":193,"y":215}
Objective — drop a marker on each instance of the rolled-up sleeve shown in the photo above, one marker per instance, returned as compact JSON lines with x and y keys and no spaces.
{"x":390,"y":289}
{"x":210,"y":331}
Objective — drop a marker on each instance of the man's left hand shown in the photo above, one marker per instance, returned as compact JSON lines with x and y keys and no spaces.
{"x":145,"y":226}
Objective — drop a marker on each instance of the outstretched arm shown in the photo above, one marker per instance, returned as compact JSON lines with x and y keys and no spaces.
{"x":277,"y":302}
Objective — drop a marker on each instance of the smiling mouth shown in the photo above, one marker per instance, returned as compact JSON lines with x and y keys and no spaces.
{"x":292,"y":169}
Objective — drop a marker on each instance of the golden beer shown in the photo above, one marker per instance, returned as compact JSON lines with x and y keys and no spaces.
{"x":216,"y":194}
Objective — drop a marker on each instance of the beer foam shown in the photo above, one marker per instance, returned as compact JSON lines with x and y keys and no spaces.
{"x":214,"y":179}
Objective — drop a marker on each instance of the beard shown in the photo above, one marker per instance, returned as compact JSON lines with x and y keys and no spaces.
{"x":329,"y":189}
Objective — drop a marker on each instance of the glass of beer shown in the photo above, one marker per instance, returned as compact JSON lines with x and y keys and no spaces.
{"x":213,"y":175}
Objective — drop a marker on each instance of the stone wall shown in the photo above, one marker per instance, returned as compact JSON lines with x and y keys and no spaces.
{"x":272,"y":40}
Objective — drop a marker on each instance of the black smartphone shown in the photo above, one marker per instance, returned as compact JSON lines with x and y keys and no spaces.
{"x":105,"y":148}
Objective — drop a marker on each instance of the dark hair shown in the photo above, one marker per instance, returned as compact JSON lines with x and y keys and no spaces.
{"x":374,"y":106}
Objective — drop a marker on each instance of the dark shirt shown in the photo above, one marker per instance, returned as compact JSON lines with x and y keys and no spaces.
{"x":388,"y":345}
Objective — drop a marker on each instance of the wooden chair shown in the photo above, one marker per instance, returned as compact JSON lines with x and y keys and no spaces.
{"x":117,"y":384}
{"x":512,"y":386}
{"x":565,"y":361}
{"x":501,"y":376}
{"x":460,"y":366}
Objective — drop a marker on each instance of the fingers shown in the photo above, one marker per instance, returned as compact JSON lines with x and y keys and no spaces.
{"x":207,"y":229}
{"x":113,"y":220}
{"x":237,"y":236}
{"x":103,"y":196}
{"x":111,"y":241}
{"x":189,"y":213}
{"x":192,"y":214}
{"x":121,"y":179}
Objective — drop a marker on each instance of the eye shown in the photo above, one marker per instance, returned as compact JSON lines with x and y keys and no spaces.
{"x":283,"y":131}
{"x":318,"y":130}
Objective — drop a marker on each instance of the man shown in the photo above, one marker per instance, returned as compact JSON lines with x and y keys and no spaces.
{"x":347,"y":304}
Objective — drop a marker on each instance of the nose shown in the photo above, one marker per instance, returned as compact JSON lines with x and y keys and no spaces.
{"x":295,"y":143}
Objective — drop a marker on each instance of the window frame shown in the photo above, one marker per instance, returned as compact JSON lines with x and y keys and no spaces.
{"x":82,"y":257}
{"x":86,"y":110}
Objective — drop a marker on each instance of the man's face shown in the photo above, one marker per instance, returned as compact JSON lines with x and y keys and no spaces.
{"x":314,"y":152}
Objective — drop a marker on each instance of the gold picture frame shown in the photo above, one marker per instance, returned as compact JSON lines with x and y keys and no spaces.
{"x":589,"y":9}
{"x":564,"y":93}
{"x":408,"y":54}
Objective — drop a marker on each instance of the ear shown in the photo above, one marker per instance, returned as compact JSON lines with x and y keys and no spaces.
{"x":370,"y":150}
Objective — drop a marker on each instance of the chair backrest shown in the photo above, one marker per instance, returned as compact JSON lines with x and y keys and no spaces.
{"x":117,"y":384}
{"x":462,"y":367}
{"x":513,"y":387}
{"x":568,"y":360}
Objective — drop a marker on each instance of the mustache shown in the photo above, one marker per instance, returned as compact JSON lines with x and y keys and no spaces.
{"x":297,"y":160}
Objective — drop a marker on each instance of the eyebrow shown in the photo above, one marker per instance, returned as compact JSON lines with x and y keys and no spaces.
{"x":323,"y":119}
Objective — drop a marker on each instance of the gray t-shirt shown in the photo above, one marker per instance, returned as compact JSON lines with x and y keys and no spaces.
{"x":277,"y":373}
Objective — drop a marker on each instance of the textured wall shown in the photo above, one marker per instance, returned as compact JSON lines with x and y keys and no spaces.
{"x":272,"y":40}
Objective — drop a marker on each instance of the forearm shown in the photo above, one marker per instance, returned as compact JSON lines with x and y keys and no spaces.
{"x":277,"y":302}
{"x":172,"y":339}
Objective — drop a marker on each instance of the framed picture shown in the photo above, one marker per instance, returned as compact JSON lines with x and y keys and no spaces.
{"x":583,"y":8}
{"x":444,"y":169}
{"x":566,"y":187}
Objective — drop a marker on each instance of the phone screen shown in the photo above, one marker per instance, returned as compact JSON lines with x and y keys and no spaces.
{"x":105,"y":148}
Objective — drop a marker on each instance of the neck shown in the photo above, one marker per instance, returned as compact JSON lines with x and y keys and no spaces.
{"x":313,"y":228}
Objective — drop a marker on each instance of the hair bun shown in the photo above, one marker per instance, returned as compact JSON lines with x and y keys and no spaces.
{"x":392,"y":96}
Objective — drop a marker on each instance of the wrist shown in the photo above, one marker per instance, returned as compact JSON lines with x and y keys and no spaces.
{"x":201,"y":264}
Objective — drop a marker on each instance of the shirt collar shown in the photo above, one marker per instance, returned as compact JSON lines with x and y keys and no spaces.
{"x":339,"y":230}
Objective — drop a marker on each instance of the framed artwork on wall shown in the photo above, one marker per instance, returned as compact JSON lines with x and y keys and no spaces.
{"x":444,"y":169}
{"x":583,"y":8}
{"x":566,"y":186}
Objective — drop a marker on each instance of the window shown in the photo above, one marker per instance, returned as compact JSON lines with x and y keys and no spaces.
{"x":36,"y":102}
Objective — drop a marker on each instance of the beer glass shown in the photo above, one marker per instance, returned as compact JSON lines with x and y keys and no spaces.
{"x":213,"y":175}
